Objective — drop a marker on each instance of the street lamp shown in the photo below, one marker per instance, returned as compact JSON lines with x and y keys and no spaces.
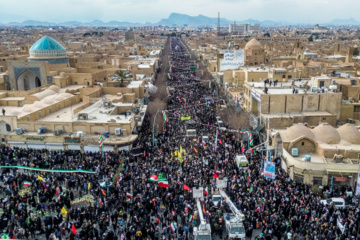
{"x":153,"y":131}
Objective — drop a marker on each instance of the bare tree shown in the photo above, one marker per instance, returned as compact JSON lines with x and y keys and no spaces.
{"x":235,"y":120}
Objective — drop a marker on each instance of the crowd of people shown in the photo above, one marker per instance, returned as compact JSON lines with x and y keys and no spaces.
{"x":116,"y":200}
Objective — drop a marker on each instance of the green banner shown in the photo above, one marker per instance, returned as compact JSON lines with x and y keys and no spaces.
{"x":185,"y":118}
{"x":50,"y":170}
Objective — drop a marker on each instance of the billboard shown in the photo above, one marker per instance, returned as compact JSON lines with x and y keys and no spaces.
{"x":358,"y":185}
{"x":233,"y":59}
{"x":269,"y":170}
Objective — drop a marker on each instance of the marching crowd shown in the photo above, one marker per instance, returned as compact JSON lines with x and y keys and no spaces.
{"x":150,"y":196}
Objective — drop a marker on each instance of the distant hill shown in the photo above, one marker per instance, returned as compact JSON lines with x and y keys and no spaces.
{"x":349,"y":21}
{"x":201,"y":20}
{"x":173,"y":19}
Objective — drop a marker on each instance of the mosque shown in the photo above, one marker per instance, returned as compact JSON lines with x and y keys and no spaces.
{"x":46,"y":55}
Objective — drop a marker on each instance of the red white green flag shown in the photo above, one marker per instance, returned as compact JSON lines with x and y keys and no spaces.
{"x":206,"y":190}
{"x":101,"y":140}
{"x":153,"y":178}
{"x":129,"y":194}
{"x":27,"y":184}
{"x":173,"y":226}
{"x":165,"y":117}
{"x":191,"y":218}
{"x":163,"y":183}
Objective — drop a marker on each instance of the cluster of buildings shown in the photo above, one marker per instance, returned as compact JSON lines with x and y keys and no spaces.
{"x":301,"y":88}
{"x":59,"y":90}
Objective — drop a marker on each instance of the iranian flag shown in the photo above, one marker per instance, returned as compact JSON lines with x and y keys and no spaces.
{"x":206,"y":190}
{"x":154,"y":178}
{"x":191,"y":218}
{"x":27,"y":184}
{"x":129,"y":194}
{"x":101,"y":142}
{"x":163,"y":183}
{"x":173,"y":226}
{"x":165,"y":117}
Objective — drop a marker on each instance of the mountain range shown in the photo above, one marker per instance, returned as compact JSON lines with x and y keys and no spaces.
{"x":175,"y":19}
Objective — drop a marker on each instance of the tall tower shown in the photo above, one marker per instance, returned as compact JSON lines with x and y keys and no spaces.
{"x":349,"y":55}
{"x":337,"y":49}
{"x":218,"y":27}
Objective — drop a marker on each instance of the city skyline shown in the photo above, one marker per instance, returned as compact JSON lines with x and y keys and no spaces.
{"x":140,"y":11}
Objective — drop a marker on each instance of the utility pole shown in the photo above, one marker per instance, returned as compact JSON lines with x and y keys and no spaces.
{"x":153,"y":130}
{"x":218,"y":23}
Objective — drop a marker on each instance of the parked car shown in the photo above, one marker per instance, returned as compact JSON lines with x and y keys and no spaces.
{"x":338,"y":202}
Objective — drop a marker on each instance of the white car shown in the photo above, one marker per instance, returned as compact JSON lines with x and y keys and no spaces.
{"x":216,"y":199}
{"x":338,"y":202}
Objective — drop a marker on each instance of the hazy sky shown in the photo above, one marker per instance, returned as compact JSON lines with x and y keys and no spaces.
{"x":292,"y":11}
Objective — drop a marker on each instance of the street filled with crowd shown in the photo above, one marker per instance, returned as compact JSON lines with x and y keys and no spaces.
{"x":82,"y":195}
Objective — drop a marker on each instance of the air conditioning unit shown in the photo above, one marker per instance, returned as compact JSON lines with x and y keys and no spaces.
{"x":58,"y":132}
{"x":307,"y":158}
{"x":41,"y":130}
{"x":19,"y":131}
{"x":350,"y":120}
{"x":118,"y":131}
{"x":338,"y":158}
{"x":83,"y":116}
{"x":80,"y":133}
{"x":294,"y":152}
{"x":138,"y":118}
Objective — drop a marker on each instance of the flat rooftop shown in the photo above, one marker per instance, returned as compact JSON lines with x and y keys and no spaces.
{"x":97,"y":113}
{"x":298,"y":114}
{"x":134,"y":84}
{"x":13,"y":98}
{"x":73,"y":87}
{"x":62,"y":115}
{"x":280,"y":88}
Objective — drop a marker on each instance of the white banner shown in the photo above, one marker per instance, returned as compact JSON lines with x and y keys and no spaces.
{"x":358,"y":185}
{"x":152,"y":88}
{"x":233,"y":59}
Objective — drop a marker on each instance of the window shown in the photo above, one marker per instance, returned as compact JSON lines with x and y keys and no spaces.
{"x":317,"y":181}
{"x":50,"y":109}
{"x":302,"y":143}
{"x":28,"y":118}
{"x":299,"y":178}
{"x":59,"y":105}
{"x":40,"y":114}
{"x":353,"y":82}
{"x":324,"y":119}
{"x":356,"y":108}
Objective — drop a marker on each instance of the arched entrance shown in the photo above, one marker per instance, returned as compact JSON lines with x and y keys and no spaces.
{"x":28,"y":80}
{"x":4,"y":129}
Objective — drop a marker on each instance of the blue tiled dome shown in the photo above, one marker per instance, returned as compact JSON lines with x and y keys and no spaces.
{"x":47,"y":47}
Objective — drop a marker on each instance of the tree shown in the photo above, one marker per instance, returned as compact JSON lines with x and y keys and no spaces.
{"x":356,"y":52}
{"x":121,"y":76}
{"x":311,"y":39}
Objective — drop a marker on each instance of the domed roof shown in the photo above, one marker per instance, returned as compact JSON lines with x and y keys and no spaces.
{"x":296,"y":131}
{"x":54,"y":88}
{"x":47,"y":47}
{"x":325,"y":133}
{"x":349,"y":133}
{"x":253,"y":44}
